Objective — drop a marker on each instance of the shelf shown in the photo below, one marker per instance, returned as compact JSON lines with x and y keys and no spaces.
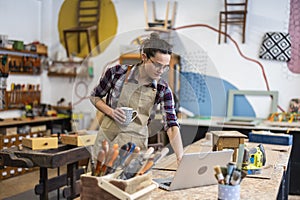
{"x":20,"y":52}
{"x":64,"y":68}
{"x":25,"y":73}
{"x":71,"y":75}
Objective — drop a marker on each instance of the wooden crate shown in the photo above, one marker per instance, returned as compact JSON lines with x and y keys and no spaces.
{"x":109,"y":188}
{"x":79,"y":139}
{"x":40,"y":143}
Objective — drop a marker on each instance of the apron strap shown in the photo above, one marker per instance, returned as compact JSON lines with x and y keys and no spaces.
{"x":128,"y":72}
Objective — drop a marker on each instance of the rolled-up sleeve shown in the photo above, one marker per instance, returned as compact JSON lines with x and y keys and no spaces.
{"x":104,"y":84}
{"x":169,"y":113}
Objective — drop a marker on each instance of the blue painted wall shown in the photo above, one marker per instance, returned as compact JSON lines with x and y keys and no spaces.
{"x":207,"y":96}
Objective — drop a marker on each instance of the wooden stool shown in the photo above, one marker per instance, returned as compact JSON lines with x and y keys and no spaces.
{"x":227,"y":139}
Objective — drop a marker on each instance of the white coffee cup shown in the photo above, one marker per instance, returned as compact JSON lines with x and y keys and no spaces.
{"x":130,"y":114}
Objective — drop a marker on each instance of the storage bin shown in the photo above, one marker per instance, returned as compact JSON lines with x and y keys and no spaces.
{"x":79,"y":139}
{"x":40,"y":143}
{"x":109,"y":188}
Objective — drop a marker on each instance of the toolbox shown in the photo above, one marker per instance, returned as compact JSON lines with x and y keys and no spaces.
{"x":40,"y":143}
{"x":109,"y":187}
{"x":80,"y":138}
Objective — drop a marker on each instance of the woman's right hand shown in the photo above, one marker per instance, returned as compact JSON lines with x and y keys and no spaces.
{"x":119,"y":115}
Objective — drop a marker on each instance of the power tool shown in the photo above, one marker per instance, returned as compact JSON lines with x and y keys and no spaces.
{"x":254,"y":159}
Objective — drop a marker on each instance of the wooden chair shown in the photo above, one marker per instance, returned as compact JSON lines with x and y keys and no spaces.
{"x":88,"y":14}
{"x":160,"y":24}
{"x":235,"y":13}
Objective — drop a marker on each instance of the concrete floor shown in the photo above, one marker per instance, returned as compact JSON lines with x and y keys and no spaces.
{"x":22,"y":187}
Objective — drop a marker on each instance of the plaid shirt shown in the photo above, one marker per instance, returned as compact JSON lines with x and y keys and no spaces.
{"x":111,"y":83}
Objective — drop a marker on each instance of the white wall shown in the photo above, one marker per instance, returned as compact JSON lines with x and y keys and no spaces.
{"x":39,"y":22}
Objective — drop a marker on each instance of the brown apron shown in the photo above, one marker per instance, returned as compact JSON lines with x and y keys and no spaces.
{"x":138,"y":97}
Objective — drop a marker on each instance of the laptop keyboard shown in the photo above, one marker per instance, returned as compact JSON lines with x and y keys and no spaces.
{"x":164,"y":183}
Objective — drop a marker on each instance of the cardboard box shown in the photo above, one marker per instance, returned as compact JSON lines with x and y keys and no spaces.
{"x":108,"y":187}
{"x":40,"y":143}
{"x":79,"y":139}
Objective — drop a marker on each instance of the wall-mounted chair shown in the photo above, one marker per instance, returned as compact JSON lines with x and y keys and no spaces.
{"x":160,"y":24}
{"x":235,"y":13}
{"x":88,"y":15}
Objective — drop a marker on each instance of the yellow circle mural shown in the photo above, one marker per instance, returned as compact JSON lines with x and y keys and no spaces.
{"x":108,"y":24}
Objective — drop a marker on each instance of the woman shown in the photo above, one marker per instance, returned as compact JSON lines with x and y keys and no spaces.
{"x":139,"y":87}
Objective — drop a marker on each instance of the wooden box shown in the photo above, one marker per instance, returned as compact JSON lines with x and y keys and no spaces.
{"x":41,"y":48}
{"x":40,"y":128}
{"x":79,"y":139}
{"x":40,"y":143}
{"x":109,"y":188}
{"x":9,"y":131}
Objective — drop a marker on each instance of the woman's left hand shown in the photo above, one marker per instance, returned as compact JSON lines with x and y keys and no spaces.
{"x":119,"y":115}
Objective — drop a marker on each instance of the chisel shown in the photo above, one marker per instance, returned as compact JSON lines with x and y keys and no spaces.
{"x":124,"y":151}
{"x":109,"y":166}
{"x":105,"y":147}
{"x":159,"y":155}
{"x":147,"y":167}
{"x":137,"y":164}
{"x":100,"y":162}
{"x":108,"y":157}
{"x":132,"y":156}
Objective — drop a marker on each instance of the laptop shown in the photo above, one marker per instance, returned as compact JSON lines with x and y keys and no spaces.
{"x":196,"y":169}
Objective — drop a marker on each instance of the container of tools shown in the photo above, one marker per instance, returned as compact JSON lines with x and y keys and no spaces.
{"x":110,"y":187}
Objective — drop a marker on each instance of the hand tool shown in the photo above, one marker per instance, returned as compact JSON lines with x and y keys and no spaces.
{"x":148,"y":153}
{"x":155,"y":158}
{"x":92,"y":167}
{"x":147,"y":167}
{"x":132,"y":156}
{"x":138,"y":163}
{"x":255,"y":160}
{"x":219,"y":175}
{"x":109,"y":166}
{"x":124,"y":151}
{"x":236,"y":177}
{"x":161,"y":154}
{"x":108,"y":157}
{"x":240,"y":157}
{"x":105,"y":146}
{"x":230,"y":168}
{"x":100,"y":162}
{"x":12,"y":94}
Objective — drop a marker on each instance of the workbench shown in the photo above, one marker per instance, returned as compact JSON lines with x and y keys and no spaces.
{"x":269,"y":185}
{"x":193,"y":129}
{"x":51,"y":158}
{"x":64,"y":122}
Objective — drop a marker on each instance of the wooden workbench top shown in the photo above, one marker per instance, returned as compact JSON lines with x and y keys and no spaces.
{"x":18,"y":121}
{"x":264,"y":186}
